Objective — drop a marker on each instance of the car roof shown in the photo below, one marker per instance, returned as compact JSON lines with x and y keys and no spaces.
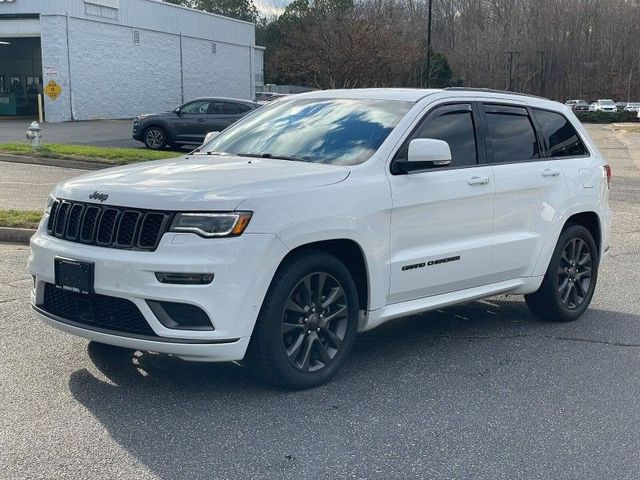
{"x":403,"y":94}
{"x":222,"y":99}
{"x":416,"y":94}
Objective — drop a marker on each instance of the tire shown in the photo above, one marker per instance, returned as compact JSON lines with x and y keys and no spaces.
{"x":570,"y":280}
{"x":304,"y":334}
{"x":155,"y":138}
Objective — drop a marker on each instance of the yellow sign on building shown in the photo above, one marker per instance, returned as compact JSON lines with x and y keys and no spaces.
{"x":52,"y":89}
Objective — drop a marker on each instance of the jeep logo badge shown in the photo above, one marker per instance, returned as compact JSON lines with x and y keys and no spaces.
{"x":98,"y":196}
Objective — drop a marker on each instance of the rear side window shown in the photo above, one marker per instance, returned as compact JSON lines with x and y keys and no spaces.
{"x":241,"y":107}
{"x":510,"y":134}
{"x":224,"y":108}
{"x":454,"y":125}
{"x":561,"y":138}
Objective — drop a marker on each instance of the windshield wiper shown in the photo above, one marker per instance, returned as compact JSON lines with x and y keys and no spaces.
{"x":271,"y":155}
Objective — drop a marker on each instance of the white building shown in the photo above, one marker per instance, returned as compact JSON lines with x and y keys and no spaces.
{"x":119,"y":58}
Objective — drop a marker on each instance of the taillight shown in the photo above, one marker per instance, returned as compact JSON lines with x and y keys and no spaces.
{"x":607,"y":169}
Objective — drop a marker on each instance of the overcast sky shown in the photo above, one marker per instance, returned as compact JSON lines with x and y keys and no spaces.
{"x":271,"y":7}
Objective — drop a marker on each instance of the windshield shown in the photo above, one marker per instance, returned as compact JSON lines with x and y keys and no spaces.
{"x":336,"y":131}
{"x":607,"y":102}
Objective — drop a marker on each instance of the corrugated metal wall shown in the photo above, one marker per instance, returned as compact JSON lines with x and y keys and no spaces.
{"x":144,"y":14}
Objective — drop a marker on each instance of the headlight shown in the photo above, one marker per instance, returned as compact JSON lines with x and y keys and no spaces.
{"x":208,"y":225}
{"x":47,"y":208}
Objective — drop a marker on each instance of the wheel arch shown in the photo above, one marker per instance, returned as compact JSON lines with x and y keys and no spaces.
{"x":350,"y":253}
{"x":589,"y":220}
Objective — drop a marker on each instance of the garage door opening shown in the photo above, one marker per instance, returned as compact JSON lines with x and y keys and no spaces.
{"x":20,"y":77}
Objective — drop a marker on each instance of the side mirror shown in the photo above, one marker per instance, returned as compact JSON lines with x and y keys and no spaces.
{"x":424,"y":154}
{"x":177,"y":111}
{"x":210,"y":136}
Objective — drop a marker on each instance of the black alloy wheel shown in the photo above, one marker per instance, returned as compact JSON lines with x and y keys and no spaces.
{"x":307,"y":324}
{"x":569,"y":283}
{"x":314,"y":322}
{"x":155,"y":138}
{"x":574,"y":273}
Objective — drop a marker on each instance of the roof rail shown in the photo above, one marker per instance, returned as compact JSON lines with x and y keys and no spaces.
{"x":492,"y":90}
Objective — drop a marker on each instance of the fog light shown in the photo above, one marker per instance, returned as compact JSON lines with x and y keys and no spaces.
{"x":185,"y":278}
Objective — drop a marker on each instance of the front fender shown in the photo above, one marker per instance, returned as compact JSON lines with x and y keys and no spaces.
{"x":374,"y":247}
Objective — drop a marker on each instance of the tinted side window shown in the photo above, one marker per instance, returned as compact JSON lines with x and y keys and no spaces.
{"x":562,"y":139}
{"x":224,"y":108}
{"x":454,"y":125}
{"x":230,"y":108}
{"x":242,"y":107}
{"x":510,"y":134}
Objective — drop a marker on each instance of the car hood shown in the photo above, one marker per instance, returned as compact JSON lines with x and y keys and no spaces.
{"x":197,"y":182}
{"x":145,"y":116}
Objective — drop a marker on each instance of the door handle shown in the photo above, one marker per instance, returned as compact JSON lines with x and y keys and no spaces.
{"x":475,"y":180}
{"x":201,"y":120}
{"x":550,"y":172}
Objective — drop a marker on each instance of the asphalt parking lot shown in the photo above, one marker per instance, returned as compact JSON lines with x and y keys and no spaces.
{"x":479,"y":391}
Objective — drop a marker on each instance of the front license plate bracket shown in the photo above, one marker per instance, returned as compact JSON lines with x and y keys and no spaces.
{"x":74,"y":275}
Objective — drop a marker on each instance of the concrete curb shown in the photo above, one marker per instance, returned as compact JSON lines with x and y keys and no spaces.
{"x":16,"y":235}
{"x":53,"y":162}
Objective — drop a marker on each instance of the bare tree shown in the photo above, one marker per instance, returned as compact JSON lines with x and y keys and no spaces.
{"x":564,"y":48}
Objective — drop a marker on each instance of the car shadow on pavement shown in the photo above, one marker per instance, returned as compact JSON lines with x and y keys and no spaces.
{"x":198,"y":420}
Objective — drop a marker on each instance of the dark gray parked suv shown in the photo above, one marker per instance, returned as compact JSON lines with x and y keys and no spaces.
{"x":189,"y":123}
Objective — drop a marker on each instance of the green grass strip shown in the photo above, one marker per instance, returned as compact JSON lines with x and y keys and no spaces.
{"x":107,"y":155}
{"x":20,"y":218}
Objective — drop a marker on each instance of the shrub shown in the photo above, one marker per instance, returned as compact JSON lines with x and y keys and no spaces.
{"x":605,"y":117}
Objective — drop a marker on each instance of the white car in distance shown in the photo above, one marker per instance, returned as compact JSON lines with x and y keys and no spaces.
{"x":632,"y":107}
{"x":608,"y":106}
{"x":325,"y":214}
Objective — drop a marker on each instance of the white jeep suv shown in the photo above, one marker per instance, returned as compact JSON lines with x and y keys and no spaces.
{"x":326,"y":214}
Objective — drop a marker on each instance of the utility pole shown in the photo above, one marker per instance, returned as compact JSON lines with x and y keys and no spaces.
{"x":541,"y":53}
{"x":429,"y":45}
{"x":629,"y":85}
{"x":511,"y":55}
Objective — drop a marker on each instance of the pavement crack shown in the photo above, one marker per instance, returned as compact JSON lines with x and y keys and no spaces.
{"x":9,"y":300}
{"x":542,"y":337}
{"x":513,"y":337}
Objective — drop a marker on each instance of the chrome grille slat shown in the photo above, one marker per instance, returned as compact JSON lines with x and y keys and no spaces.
{"x":52,"y":216}
{"x":107,"y":226}
{"x":152,"y":224}
{"x":89,"y":222}
{"x":61,"y":219}
{"x":127,"y":228}
{"x":73,"y":225}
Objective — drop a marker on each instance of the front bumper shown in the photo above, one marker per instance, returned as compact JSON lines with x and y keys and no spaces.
{"x":243,"y":268}
{"x":198,"y":351}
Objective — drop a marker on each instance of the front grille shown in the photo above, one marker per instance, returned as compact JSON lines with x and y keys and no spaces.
{"x":98,"y":311}
{"x":107,"y":226}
